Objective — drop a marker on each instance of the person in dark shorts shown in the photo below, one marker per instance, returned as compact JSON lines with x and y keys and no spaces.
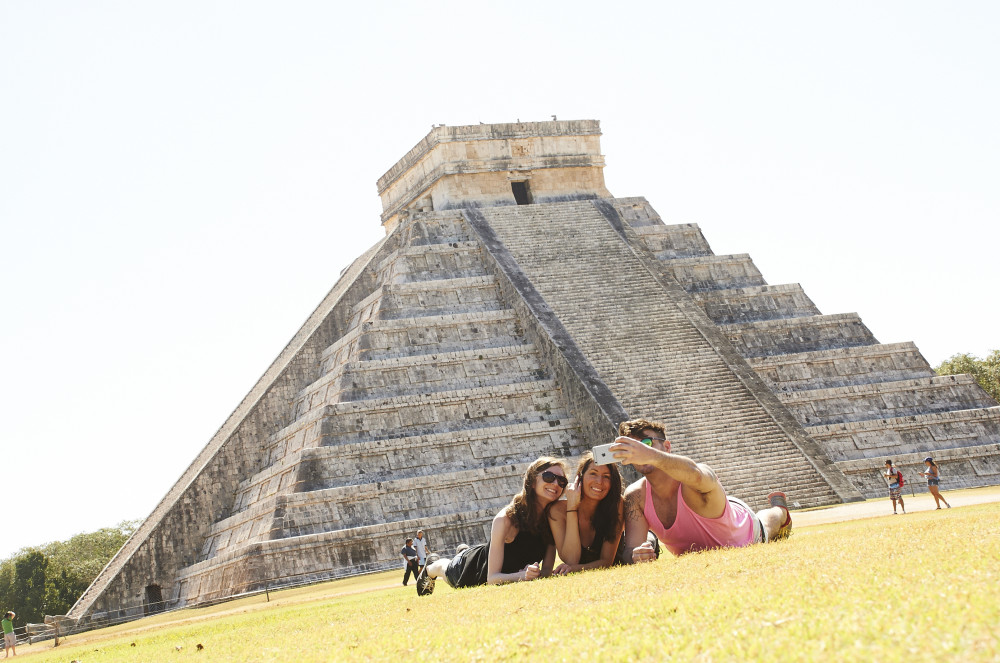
{"x":894,"y":478}
{"x":933,"y":481}
{"x":521,"y":545}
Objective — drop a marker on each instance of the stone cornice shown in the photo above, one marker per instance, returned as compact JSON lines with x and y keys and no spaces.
{"x":472,"y":132}
{"x":492,"y":165}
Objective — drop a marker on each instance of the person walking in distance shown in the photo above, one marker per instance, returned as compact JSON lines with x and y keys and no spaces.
{"x":933,"y":480}
{"x":420,"y":545}
{"x":894,"y":478}
{"x":410,"y":560}
{"x":9,"y":639}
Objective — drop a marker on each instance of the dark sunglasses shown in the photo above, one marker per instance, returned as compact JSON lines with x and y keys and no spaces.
{"x":648,"y":441}
{"x":549,"y":477}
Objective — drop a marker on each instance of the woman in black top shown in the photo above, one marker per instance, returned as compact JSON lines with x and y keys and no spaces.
{"x":521,"y":545}
{"x":588,"y":525}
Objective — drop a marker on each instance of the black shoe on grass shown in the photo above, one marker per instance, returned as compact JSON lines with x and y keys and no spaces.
{"x":425,"y":583}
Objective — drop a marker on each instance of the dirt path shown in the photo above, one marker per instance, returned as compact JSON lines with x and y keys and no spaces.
{"x":883,"y":507}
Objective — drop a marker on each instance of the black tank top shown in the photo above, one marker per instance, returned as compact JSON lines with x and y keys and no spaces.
{"x":526,"y":548}
{"x":471,"y":568}
{"x":591,"y":553}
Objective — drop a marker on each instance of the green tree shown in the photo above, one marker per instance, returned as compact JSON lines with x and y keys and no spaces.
{"x":29,"y":585}
{"x":47,"y":580}
{"x":985,"y":371}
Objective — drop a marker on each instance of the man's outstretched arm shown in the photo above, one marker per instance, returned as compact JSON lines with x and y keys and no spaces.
{"x":636,"y":526}
{"x":693,"y":475}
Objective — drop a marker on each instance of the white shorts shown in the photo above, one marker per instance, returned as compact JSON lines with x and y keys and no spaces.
{"x":759,"y":533}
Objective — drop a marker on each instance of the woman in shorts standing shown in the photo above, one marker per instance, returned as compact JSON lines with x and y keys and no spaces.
{"x":521,"y":545}
{"x":933,"y":480}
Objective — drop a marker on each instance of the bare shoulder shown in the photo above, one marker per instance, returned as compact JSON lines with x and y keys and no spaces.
{"x":558,"y":511}
{"x":501,"y":517}
{"x":709,"y":472}
{"x":636,"y":487}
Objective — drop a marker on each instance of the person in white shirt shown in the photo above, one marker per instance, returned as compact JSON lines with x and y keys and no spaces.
{"x":420,"y":545}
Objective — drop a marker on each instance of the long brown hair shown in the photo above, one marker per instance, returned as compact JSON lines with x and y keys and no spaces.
{"x":523,"y":509}
{"x":607,"y":515}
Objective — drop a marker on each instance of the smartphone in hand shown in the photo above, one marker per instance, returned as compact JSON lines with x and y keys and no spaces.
{"x":603,"y":455}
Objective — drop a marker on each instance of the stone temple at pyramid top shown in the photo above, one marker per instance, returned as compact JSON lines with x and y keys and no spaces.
{"x":490,"y":165}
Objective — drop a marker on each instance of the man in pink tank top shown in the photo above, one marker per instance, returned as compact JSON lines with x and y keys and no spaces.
{"x":683,"y":502}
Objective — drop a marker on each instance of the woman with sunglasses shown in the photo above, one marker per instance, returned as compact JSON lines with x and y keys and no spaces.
{"x":521,"y":545}
{"x":588,"y":525}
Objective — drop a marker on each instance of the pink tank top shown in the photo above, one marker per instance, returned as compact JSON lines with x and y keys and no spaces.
{"x":691,"y":532}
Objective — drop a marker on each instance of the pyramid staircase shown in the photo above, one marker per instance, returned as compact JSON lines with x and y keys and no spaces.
{"x":860,"y":400}
{"x":647,"y":342}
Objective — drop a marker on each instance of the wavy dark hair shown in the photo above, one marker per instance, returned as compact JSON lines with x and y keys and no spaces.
{"x":606,"y":519}
{"x":523,"y":509}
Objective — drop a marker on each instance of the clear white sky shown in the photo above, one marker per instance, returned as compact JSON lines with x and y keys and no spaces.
{"x":182,"y":182}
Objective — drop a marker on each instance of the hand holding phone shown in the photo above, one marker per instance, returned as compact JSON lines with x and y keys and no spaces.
{"x":603,"y":455}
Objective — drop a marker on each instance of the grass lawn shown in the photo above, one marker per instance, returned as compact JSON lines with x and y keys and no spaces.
{"x":920,"y":587}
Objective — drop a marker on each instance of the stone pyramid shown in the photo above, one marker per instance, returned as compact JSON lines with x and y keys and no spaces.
{"x":516,"y":309}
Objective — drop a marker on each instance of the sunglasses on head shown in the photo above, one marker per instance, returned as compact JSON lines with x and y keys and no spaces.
{"x":648,"y":441}
{"x":549,"y":477}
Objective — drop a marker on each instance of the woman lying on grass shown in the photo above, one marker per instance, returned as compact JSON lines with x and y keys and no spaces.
{"x":521,"y":545}
{"x":588,"y":525}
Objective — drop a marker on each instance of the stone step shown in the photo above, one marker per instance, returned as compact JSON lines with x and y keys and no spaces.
{"x":448,"y":371}
{"x":638,"y":213}
{"x":715,"y":272}
{"x":822,"y":369}
{"x":766,"y":302}
{"x":328,"y":555}
{"x":356,"y":505}
{"x":419,"y":414}
{"x":340,"y":461}
{"x":674,"y":241}
{"x":886,"y":399}
{"x":437,"y":228}
{"x":793,"y":335}
{"x":355,"y":380}
{"x":405,"y":337}
{"x":927,"y":434}
{"x":388,"y":501}
{"x":439,"y":297}
{"x":419,"y":455}
{"x":415,"y":264}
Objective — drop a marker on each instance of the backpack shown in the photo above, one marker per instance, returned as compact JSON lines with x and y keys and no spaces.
{"x":899,"y":477}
